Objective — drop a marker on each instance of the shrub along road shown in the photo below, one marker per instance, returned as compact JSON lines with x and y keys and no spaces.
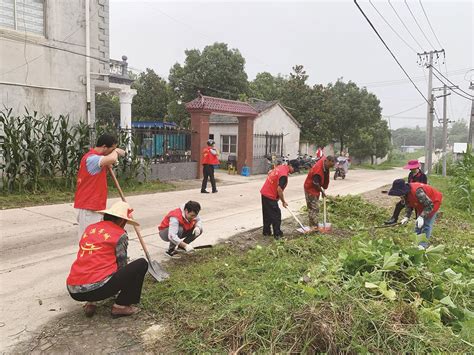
{"x":38,"y":244}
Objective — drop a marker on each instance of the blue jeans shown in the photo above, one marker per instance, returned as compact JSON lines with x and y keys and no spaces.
{"x":427,"y":228}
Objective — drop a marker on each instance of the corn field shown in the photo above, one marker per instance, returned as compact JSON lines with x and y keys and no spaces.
{"x":43,"y":152}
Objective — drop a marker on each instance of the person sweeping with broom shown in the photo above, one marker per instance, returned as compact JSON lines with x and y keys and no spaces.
{"x":314,"y":185}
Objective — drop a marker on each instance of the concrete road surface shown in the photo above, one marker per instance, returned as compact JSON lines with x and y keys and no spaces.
{"x":38,"y":244}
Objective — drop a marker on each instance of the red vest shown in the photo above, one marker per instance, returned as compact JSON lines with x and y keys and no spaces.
{"x":317,"y":169}
{"x":178,"y":214}
{"x":435,"y":196}
{"x":96,"y":257}
{"x":270,"y":187}
{"x":91,"y":190}
{"x":208,"y":157}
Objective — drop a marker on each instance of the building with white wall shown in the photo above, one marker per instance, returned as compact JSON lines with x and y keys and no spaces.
{"x":54,"y":57}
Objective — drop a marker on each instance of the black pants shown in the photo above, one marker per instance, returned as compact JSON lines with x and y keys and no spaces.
{"x":188,"y":236}
{"x":208,"y":173}
{"x":271,"y":217}
{"x":128,"y":281}
{"x":398,"y":208}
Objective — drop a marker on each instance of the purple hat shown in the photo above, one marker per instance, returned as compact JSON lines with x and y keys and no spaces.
{"x":412,"y":164}
{"x":399,"y":188}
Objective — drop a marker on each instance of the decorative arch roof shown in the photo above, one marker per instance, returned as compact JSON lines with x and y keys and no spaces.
{"x":223,"y":106}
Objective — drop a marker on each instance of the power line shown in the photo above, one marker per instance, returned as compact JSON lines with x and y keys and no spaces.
{"x":394,"y":31}
{"x":470,"y":98}
{"x":408,"y":109}
{"x":402,"y":81}
{"x":416,"y":21}
{"x":429,"y":23}
{"x":465,"y":92}
{"x":393,"y":55}
{"x":403,"y":23}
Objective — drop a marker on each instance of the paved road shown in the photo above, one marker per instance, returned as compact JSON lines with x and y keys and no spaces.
{"x":38,"y":244}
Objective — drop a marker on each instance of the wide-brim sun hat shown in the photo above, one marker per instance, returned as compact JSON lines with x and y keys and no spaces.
{"x":399,"y":188}
{"x":122,"y":210}
{"x":412,"y":164}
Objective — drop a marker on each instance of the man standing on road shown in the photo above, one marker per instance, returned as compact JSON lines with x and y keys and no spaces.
{"x":181,"y":227}
{"x":314,"y":185}
{"x":210,"y":157}
{"x":91,"y":190}
{"x":422,"y":198}
{"x":271,"y":192}
{"x":415,"y":175}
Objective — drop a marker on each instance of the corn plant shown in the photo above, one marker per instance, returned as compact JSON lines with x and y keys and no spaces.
{"x":463,"y":180}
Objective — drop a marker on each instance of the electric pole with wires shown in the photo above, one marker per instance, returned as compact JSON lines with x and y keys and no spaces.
{"x":426,"y":59}
{"x":445,"y":120}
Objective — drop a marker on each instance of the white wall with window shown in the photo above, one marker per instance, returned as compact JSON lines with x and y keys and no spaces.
{"x":225,"y":135}
{"x":23,"y":15}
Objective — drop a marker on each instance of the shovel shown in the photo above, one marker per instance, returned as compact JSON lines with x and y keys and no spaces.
{"x":154,"y":268}
{"x":326,"y":226}
{"x":303,"y":229}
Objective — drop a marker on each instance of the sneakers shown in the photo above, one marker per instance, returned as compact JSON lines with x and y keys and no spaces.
{"x":172,"y":254}
{"x":390,"y":221}
{"x":204,"y":192}
{"x":123,"y":311}
{"x":89,"y":309}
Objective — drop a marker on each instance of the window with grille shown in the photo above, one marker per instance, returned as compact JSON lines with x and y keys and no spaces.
{"x":229,"y":144}
{"x":23,"y":15}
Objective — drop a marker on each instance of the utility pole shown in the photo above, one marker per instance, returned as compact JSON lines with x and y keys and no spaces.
{"x":426,"y":59}
{"x":471,"y":123}
{"x":445,"y":120}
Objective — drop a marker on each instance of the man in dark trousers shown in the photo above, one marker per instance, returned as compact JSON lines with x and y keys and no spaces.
{"x":316,"y":181}
{"x":415,"y":175}
{"x":422,"y":198}
{"x":271,"y":192}
{"x":210,"y":157}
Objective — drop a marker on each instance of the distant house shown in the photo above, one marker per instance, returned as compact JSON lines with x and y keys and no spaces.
{"x":276,"y":132}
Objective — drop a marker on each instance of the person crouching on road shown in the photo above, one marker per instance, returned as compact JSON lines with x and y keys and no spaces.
{"x":101,"y":270}
{"x":210,"y":157}
{"x":272,"y":191}
{"x":423,"y":198}
{"x":181,"y":227}
{"x":316,"y":181}
{"x":415,"y":175}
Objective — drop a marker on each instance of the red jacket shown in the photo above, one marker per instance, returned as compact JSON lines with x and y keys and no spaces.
{"x":96,"y":257}
{"x":317,"y":169}
{"x":435,"y":196}
{"x":270,"y":187}
{"x":178,"y":214}
{"x":91,"y":190}
{"x":208,"y":157}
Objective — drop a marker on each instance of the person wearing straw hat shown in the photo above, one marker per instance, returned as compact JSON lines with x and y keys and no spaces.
{"x":180,"y":227}
{"x":272,"y":191}
{"x":91,"y":188}
{"x":415,"y":175}
{"x":101,"y":271}
{"x":314,"y":185}
{"x":422,"y":198}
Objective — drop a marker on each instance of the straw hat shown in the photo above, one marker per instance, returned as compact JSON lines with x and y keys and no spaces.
{"x":122,"y":210}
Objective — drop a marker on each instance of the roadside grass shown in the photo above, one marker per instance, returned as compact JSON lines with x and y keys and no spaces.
{"x":358,"y":289}
{"x":65,"y":195}
{"x":396,"y":159}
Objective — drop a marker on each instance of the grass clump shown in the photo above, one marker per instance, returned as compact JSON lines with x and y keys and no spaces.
{"x":357,"y":290}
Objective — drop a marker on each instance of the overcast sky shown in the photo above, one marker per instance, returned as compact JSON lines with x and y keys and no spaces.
{"x":330,"y":38}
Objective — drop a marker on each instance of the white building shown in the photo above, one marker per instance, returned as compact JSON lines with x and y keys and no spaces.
{"x":54,"y":57}
{"x":276,"y":132}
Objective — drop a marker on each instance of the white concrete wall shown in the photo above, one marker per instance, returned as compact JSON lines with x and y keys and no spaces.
{"x":222,"y":130}
{"x":52,"y":81}
{"x":310,"y":149}
{"x":276,"y":121}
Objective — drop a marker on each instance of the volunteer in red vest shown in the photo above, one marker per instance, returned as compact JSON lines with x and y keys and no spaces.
{"x":181,"y":227}
{"x":101,"y":270}
{"x":415,"y":175}
{"x":314,"y":185}
{"x":319,"y":153}
{"x":91,"y":189}
{"x":272,"y":191}
{"x":210,"y":157}
{"x":425,"y":199}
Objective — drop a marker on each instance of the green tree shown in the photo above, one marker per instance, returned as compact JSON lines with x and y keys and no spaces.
{"x":458,"y":132}
{"x":153,"y":96}
{"x":267,"y":87}
{"x":107,"y":109}
{"x":373,"y":141}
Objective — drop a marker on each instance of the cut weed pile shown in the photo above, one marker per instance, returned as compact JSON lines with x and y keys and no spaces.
{"x":355,"y":291}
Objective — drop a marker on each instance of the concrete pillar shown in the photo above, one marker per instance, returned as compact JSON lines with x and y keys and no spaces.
{"x":126,"y":97}
{"x":199,"y":136}
{"x":245,"y":143}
